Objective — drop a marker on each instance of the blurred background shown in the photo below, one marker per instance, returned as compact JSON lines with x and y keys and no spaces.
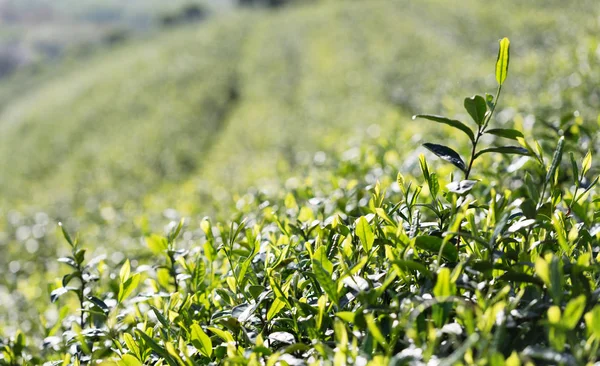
{"x":118,"y":117}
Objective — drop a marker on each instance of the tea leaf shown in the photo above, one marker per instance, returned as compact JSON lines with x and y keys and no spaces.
{"x":128,"y":286}
{"x":516,"y":150}
{"x":125,"y":270}
{"x":450,"y":122}
{"x":508,"y":133}
{"x":573,"y":312}
{"x":502,"y":61}
{"x":201,"y":340}
{"x":365,"y":233}
{"x":447,"y":154}
{"x":556,"y":159}
{"x":477,"y":108}
{"x":129,"y":360}
{"x":433,"y":244}
{"x":325,"y":280}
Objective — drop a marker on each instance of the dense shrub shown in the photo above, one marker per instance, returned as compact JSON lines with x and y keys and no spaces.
{"x":354,"y":266}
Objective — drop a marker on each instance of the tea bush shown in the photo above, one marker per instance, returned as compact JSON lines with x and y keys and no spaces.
{"x":494,"y":263}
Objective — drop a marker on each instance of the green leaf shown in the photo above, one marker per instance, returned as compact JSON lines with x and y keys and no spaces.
{"x":365,"y":233}
{"x":375,"y":331}
{"x":592,"y":320}
{"x":450,"y":122}
{"x":517,"y":150}
{"x":347,"y":316}
{"x":131,"y":344}
{"x":79,"y":256}
{"x":175,"y":233}
{"x":224,"y":335}
{"x":575,"y":169}
{"x":129,"y":360}
{"x":520,"y":277}
{"x":447,"y":154}
{"x":19,"y":343}
{"x":201,"y":340}
{"x":325,"y":280}
{"x":128,"y":286}
{"x":573,"y":312}
{"x":405,"y":265}
{"x":556,"y":158}
{"x":434,"y":184}
{"x":275,"y":308}
{"x":125,"y":271}
{"x":157,"y":244}
{"x":476,"y":107}
{"x":507,"y":133}
{"x":443,"y":285}
{"x":489,"y":100}
{"x":587,"y":163}
{"x":162,"y":352}
{"x":502,"y":61}
{"x":433,"y":244}
{"x":543,"y":271}
{"x":66,"y":234}
{"x":198,"y":274}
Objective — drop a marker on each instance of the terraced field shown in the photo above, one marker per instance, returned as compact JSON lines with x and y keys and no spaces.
{"x":234,"y":115}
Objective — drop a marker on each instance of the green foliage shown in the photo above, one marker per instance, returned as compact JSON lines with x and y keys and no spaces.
{"x":477,"y":108}
{"x":349,"y":261}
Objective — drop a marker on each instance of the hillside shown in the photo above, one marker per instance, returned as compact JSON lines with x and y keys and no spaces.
{"x":208,"y":101}
{"x":180,"y":124}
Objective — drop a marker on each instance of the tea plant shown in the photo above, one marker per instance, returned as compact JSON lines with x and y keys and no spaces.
{"x":354,"y":267}
{"x":481,"y":111}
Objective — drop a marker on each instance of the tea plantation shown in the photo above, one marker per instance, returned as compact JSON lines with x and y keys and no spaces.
{"x":255,"y":190}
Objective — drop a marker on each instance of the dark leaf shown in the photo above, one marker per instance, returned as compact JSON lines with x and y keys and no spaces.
{"x":513,"y":276}
{"x":551,"y":356}
{"x":433,"y":244}
{"x":508,"y":133}
{"x":518,"y":150}
{"x":67,"y":278}
{"x":575,"y":169}
{"x":450,"y":122}
{"x":99,"y":303}
{"x":447,"y":154}
{"x":556,"y":158}
{"x":412,"y":265}
{"x":79,"y":256}
{"x":476,"y":107}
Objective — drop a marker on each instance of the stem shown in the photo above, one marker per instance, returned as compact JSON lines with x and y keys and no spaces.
{"x":81,"y":294}
{"x":481,"y":131}
{"x":173,"y":271}
{"x":473,"y":150}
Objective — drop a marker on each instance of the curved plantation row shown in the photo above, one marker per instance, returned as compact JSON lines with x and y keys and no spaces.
{"x":356,"y":268}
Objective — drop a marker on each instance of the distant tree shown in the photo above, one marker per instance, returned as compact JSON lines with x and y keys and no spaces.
{"x":8,"y":62}
{"x":269,"y":3}
{"x":188,"y":14}
{"x":115,"y":36}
